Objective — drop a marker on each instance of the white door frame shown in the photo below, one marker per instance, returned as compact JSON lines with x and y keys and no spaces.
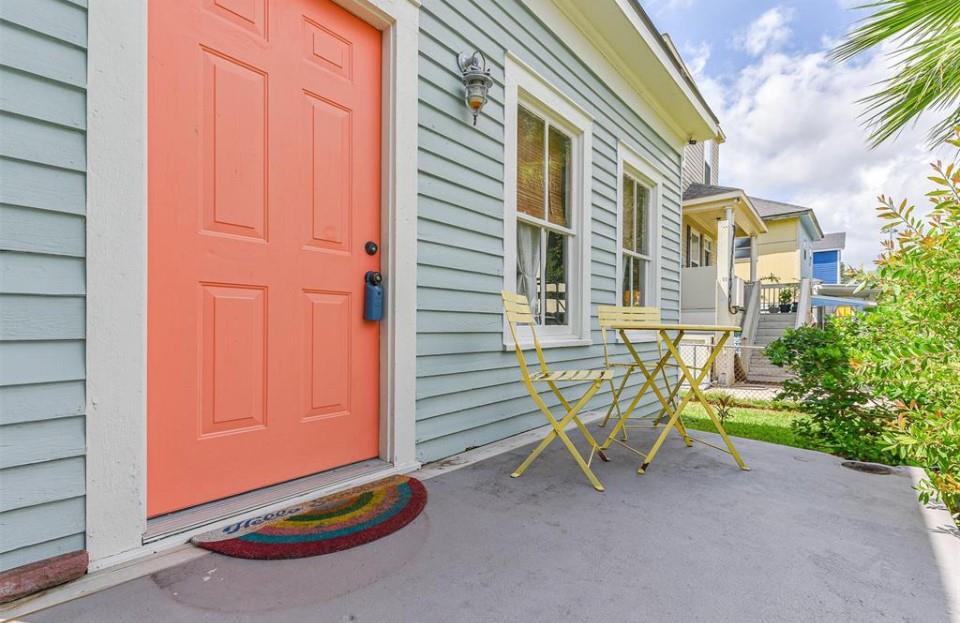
{"x":116,"y":413}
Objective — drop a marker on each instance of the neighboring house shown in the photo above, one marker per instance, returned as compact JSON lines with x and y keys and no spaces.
{"x":832,"y":295}
{"x":184,"y":257}
{"x":828,"y":258}
{"x":732,"y":244}
{"x":785,"y":250}
{"x":713,"y":217}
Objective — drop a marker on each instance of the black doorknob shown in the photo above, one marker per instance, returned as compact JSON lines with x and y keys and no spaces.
{"x":371,"y":247}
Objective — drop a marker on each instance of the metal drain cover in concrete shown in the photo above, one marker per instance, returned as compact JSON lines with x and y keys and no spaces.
{"x":869,"y":468}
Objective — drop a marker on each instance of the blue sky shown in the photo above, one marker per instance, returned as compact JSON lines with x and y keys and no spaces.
{"x":790,"y":114}
{"x":691,"y":22}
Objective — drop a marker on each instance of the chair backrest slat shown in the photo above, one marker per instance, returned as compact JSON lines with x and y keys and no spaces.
{"x":516,"y":308}
{"x":611,"y":316}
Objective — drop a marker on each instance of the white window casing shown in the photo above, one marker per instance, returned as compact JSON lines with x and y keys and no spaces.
{"x":631,"y":163}
{"x":524,"y":86}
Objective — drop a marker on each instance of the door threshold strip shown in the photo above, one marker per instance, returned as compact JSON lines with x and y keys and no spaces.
{"x":204,"y":514}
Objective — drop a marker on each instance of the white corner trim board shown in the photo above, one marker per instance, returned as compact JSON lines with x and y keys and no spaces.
{"x":116,"y":423}
{"x":116,"y":277}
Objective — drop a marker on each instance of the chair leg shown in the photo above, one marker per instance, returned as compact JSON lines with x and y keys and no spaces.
{"x":558,"y":431}
{"x":579,"y":459}
{"x":533,"y":455}
{"x":594,"y":446}
{"x":616,"y":397}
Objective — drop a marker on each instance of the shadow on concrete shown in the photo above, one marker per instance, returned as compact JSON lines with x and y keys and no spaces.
{"x":798,"y":538}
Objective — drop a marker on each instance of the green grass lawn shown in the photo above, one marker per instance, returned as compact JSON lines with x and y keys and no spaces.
{"x":760,"y":424}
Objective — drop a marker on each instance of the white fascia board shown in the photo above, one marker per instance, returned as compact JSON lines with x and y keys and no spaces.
{"x":745,"y":207}
{"x":583,"y":41}
{"x":616,"y":30}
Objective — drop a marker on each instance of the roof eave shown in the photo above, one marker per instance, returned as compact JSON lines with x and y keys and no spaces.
{"x":720,"y":200}
{"x":623,"y":32}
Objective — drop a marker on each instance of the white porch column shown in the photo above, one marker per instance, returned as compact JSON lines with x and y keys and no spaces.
{"x":725,"y":232}
{"x":754,"y":256}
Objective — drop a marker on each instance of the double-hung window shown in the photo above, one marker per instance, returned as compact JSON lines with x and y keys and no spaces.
{"x":741,"y":247}
{"x":547,"y":197}
{"x":544,"y":227}
{"x":693,"y":246}
{"x":635,"y":241}
{"x":638,"y":236}
{"x":708,"y":162}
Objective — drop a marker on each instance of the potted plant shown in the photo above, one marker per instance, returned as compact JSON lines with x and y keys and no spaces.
{"x":786,"y":300}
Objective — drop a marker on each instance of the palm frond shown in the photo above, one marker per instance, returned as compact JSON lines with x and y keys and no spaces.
{"x":927,"y":64}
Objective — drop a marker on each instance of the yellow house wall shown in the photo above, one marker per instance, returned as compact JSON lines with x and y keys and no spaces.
{"x":786,"y":266}
{"x":779,"y":252}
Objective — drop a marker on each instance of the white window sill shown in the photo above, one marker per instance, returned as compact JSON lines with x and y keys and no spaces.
{"x":558,"y":341}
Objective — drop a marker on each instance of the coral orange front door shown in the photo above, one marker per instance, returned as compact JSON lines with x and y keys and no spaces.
{"x":264,"y":186}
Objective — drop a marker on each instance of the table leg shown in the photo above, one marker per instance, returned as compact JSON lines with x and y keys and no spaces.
{"x":695,"y":389}
{"x":694,"y":382}
{"x":667,"y":405}
{"x":624,"y":416}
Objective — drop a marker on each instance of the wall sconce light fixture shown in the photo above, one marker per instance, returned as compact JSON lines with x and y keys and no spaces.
{"x":476,"y":80}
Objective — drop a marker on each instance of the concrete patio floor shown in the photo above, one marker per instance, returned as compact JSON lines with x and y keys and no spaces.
{"x":798,"y":538}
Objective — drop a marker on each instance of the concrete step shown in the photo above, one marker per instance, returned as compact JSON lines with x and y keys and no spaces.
{"x":763,"y":340}
{"x":763,"y":371}
{"x":763,"y":378}
{"x":777,"y":320}
{"x":768,"y":371}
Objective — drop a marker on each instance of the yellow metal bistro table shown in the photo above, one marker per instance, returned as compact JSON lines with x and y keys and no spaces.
{"x":625,"y":328}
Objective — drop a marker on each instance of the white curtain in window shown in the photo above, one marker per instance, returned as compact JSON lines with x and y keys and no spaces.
{"x":528,"y":261}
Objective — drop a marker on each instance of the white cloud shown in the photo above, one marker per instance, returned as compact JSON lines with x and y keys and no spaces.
{"x":767,"y":32}
{"x":696,"y":57}
{"x":794,"y":134}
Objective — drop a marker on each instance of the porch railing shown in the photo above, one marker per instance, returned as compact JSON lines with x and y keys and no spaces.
{"x":779,"y":297}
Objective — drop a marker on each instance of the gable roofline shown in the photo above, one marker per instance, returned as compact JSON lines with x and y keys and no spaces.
{"x":625,"y":35}
{"x":834,"y":241}
{"x":701,"y":198}
{"x":668,"y":43}
{"x":772,"y":210}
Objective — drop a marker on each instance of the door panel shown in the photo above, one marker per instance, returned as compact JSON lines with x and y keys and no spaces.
{"x":264,"y":169}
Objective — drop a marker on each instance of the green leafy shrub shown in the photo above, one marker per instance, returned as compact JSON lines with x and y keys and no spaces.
{"x":909,"y":346}
{"x":886,"y":382}
{"x":844,"y":418}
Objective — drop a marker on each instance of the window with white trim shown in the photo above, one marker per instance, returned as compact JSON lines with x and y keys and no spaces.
{"x":742,"y":247}
{"x":707,"y":251}
{"x":544,"y":227}
{"x":547,"y":189}
{"x":708,"y":162}
{"x":693,"y":248}
{"x":635,"y":242}
{"x":638,"y":230}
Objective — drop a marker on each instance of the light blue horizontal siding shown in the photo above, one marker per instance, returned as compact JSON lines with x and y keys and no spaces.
{"x":42,"y":278}
{"x":36,"y":402}
{"x":468,"y":392}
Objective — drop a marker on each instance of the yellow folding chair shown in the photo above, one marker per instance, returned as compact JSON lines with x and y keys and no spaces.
{"x":517,"y":311}
{"x":612,"y":316}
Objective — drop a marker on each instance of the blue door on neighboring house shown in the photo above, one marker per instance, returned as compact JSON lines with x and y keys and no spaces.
{"x":826,"y":266}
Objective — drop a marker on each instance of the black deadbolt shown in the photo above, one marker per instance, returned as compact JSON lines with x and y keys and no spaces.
{"x":371,"y":247}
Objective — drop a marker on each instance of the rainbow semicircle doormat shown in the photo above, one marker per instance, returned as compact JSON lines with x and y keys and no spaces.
{"x":324,"y":525}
